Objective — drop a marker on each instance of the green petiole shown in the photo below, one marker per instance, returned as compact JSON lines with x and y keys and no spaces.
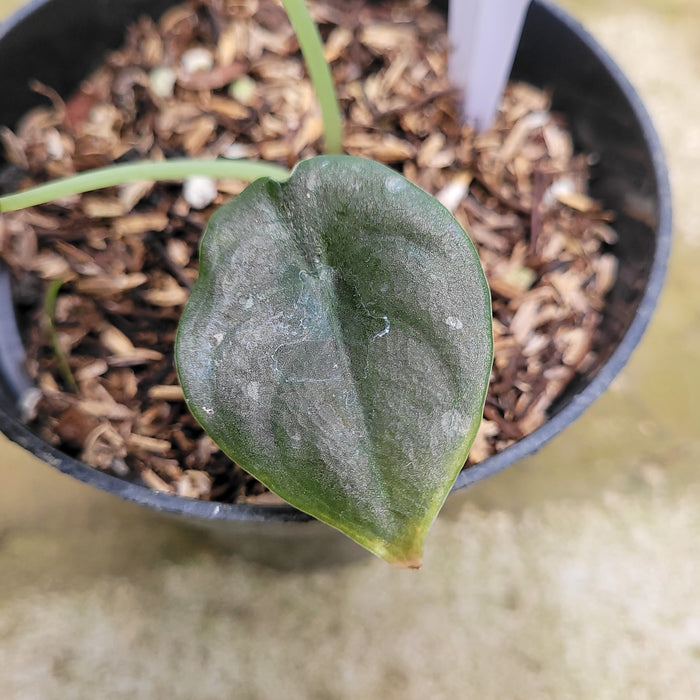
{"x":49,"y":314}
{"x":111,"y":175}
{"x":319,"y":71}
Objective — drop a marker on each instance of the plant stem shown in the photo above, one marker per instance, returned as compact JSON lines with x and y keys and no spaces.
{"x":49,"y":313}
{"x":175,"y":169}
{"x":319,"y":71}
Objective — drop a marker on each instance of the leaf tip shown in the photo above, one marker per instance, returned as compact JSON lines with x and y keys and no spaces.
{"x":404,"y":558}
{"x":409,"y":563}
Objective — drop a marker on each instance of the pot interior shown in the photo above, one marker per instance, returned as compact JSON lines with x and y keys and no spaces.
{"x":58,"y":42}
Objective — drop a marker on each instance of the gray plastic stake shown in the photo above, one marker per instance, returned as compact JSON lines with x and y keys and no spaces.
{"x":484,"y":36}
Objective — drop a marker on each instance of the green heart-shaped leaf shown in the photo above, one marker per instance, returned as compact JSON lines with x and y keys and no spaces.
{"x":337,"y":345}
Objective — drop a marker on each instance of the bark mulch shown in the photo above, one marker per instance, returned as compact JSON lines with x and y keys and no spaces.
{"x":225,"y":79}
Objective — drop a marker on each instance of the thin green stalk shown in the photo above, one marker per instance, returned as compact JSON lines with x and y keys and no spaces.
{"x":49,"y":314}
{"x":319,"y":71}
{"x":175,"y":169}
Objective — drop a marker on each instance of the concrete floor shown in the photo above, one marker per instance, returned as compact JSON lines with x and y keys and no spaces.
{"x":572,"y":575}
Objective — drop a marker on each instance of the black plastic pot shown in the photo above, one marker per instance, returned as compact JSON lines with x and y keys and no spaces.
{"x":59,"y":41}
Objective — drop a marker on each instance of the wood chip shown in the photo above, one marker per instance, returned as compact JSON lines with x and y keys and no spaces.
{"x":51,"y":266}
{"x":338,"y":41}
{"x":153,"y":481}
{"x":168,"y":293}
{"x":386,"y":38}
{"x":194,"y":484}
{"x":231,"y":109}
{"x":578,"y":201}
{"x":605,"y":273}
{"x":115,"y":341}
{"x":210,"y":80}
{"x":96,"y":368}
{"x":166,"y":392}
{"x":148,"y":444}
{"x":109,"y":286}
{"x":265,"y":499}
{"x":452,"y":194}
{"x":385,"y":147}
{"x":123,"y":351}
{"x":140,"y":356}
{"x":104,"y":448}
{"x":139,"y":223}
{"x":74,"y":426}
{"x":102,"y":207}
{"x":14,"y":148}
{"x":105,"y":409}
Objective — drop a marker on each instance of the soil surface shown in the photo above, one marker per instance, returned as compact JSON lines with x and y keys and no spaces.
{"x":227,"y":80}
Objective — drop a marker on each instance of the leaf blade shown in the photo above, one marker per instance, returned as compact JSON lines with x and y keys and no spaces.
{"x":337,"y":345}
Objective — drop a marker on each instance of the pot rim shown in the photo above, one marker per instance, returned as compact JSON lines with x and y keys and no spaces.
{"x":14,"y":429}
